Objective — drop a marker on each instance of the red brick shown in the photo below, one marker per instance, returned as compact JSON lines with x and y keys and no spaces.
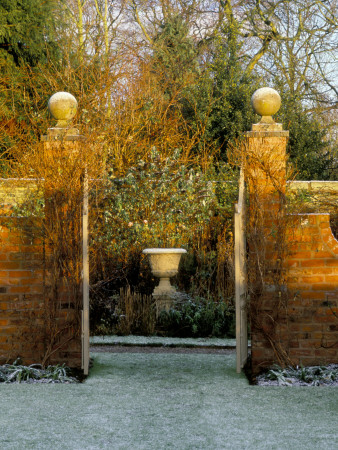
{"x":6,"y":347}
{"x":302,"y":255}
{"x":301,"y":327}
{"x":300,"y":302}
{"x":311,"y":218}
{"x":324,"y":286}
{"x":323,"y":254}
{"x":327,"y":311}
{"x":36,"y":289}
{"x":291,"y":279}
{"x":299,"y":286}
{"x":19,"y":289}
{"x":309,"y":343}
{"x":326,"y":232}
{"x":313,"y":263}
{"x":310,"y":246}
{"x":10,"y":281}
{"x":9,"y":265}
{"x":332,"y":279}
{"x":15,"y":240}
{"x":313,"y":295}
{"x":316,"y":271}
{"x":30,"y":281}
{"x":324,"y":319}
{"x":20,"y":273}
{"x":303,"y":360}
{"x":327,"y":237}
{"x":292,"y":262}
{"x":323,"y":217}
{"x":293,"y":344}
{"x":329,"y":353}
{"x":318,"y":334}
{"x":302,"y":352}
{"x":10,"y":248}
{"x":305,"y":238}
{"x":312,"y":279}
{"x":15,"y":256}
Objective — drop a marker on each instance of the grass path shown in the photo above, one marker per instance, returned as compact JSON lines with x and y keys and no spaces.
{"x":166,"y":401}
{"x":160,"y":341}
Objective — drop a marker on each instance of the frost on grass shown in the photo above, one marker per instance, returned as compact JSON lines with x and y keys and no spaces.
{"x":300,"y":376}
{"x":35,"y":373}
{"x":161,"y":341}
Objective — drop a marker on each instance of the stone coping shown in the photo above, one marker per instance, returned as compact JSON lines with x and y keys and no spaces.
{"x":310,"y":214}
{"x":62,"y":137}
{"x":313,"y":185}
{"x":263,"y":133}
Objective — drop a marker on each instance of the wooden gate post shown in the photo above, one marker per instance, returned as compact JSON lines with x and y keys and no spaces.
{"x":241,"y":278}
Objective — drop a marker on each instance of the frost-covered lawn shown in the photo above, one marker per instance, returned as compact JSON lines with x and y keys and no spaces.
{"x":162,"y":341}
{"x":167,"y":401}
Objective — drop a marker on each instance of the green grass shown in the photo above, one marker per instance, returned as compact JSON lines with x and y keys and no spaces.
{"x":166,"y":401}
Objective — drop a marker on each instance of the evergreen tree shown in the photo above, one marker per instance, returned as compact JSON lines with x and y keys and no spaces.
{"x":27,"y":30}
{"x":308,"y":147}
{"x":213,"y":96}
{"x":231,"y":114}
{"x":174,"y":59}
{"x":28,"y":44}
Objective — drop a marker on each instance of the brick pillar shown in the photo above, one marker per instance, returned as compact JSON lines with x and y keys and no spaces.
{"x":265,"y":171}
{"x":61,"y":155}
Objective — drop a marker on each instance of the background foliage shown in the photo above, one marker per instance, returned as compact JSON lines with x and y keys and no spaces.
{"x":164,"y":91}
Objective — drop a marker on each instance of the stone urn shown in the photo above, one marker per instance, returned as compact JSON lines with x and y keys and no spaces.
{"x":164,"y":264}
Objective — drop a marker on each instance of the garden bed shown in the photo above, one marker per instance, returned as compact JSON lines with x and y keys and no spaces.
{"x":300,"y":376}
{"x":35,"y":373}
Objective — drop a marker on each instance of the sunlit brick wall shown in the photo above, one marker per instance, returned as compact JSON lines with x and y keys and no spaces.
{"x":24,"y":291}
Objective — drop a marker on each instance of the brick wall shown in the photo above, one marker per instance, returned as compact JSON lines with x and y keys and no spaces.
{"x":307,"y":328}
{"x":296,"y":320}
{"x":26,"y":312}
{"x":313,"y":276}
{"x":13,"y":192}
{"x":21,"y":291}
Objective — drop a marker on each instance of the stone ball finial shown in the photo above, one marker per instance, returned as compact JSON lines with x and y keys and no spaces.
{"x":63,"y":107}
{"x":266,"y":102}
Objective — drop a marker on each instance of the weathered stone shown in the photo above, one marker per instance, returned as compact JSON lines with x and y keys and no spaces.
{"x":63,"y":107}
{"x":164,"y":264}
{"x":266,"y":102}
